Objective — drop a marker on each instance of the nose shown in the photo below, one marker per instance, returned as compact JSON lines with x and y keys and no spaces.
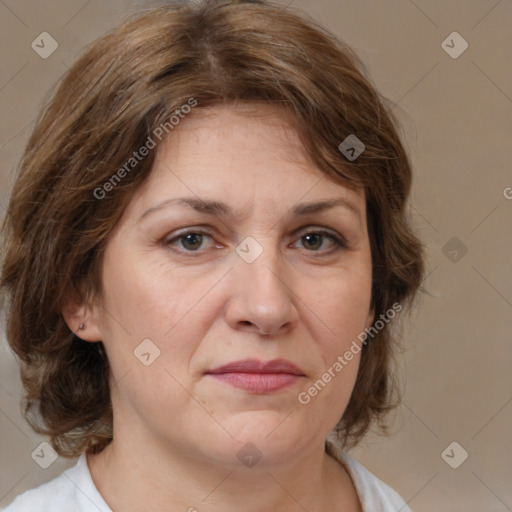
{"x":261,"y":297}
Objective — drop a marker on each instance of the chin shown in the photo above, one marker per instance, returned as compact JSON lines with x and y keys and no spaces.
{"x":268,"y":436}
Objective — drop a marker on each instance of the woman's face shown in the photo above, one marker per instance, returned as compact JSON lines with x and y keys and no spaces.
{"x":189,"y":289}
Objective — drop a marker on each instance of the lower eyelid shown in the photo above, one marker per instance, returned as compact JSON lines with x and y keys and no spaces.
{"x":173,"y":240}
{"x":338,"y":241}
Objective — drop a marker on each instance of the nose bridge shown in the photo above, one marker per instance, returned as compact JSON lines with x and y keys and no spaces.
{"x":259,"y":267}
{"x":260,"y":293}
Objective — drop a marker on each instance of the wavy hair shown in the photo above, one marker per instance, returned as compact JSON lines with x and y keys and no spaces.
{"x":121,"y":88}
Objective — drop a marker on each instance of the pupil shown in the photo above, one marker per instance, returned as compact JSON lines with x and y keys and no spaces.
{"x":194,"y":240}
{"x":193,"y":236}
{"x":308,"y":237}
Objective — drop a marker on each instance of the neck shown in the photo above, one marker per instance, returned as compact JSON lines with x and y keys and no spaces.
{"x":137,"y":477}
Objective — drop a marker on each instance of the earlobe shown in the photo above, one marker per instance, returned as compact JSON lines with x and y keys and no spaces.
{"x":88,"y":332}
{"x":81,"y":319}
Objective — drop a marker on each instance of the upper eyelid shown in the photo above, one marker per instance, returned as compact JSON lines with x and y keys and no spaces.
{"x":207,"y":231}
{"x":338,"y":238}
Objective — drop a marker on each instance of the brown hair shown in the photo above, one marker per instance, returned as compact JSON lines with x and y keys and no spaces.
{"x":119,"y":91}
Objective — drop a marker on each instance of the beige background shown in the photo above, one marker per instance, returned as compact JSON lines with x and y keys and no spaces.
{"x":457,"y":121}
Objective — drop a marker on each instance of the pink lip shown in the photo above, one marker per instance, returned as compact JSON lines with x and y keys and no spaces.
{"x":258,"y":376}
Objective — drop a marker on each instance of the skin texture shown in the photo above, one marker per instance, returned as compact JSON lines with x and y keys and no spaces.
{"x":177,"y":431}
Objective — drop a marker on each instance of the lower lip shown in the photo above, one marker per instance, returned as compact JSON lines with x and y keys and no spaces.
{"x":258,"y":382}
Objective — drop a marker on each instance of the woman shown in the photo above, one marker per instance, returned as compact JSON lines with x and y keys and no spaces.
{"x":206,"y":253}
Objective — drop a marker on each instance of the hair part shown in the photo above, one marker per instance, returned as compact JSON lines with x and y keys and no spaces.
{"x":124,"y":86}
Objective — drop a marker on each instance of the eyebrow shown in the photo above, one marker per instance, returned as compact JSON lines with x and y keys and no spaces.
{"x":220,"y":209}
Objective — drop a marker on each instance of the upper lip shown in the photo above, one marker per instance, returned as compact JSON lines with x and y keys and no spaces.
{"x":256,"y":366}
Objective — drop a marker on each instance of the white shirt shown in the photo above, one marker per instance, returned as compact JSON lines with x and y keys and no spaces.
{"x":74,"y":491}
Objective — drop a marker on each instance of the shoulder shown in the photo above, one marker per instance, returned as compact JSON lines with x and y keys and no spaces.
{"x":73,"y":490}
{"x":373,"y":493}
{"x":52,"y":495}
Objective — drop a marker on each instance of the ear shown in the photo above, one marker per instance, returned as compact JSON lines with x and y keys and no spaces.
{"x":76,"y":313}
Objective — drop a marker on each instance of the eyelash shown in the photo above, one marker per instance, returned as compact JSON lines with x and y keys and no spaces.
{"x":339,"y":241}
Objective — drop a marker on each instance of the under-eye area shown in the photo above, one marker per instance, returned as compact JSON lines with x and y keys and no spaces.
{"x":207,"y":261}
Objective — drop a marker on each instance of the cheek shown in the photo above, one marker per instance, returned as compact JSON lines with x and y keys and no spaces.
{"x":342,"y":303}
{"x":347,"y":311}
{"x":150,"y":300}
{"x":144,"y":303}
{"x":144,"y":299}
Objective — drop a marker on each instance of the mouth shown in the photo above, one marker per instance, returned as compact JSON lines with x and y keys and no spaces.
{"x":258,"y":376}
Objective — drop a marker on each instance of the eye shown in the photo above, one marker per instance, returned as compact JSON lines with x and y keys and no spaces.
{"x":194,"y":241}
{"x":314,"y":240}
{"x":191,"y":240}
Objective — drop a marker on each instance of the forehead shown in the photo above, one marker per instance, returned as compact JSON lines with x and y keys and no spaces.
{"x":245,"y":155}
{"x":261,"y":131}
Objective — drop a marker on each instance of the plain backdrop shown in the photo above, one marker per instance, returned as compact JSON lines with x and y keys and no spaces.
{"x":455,"y":110}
